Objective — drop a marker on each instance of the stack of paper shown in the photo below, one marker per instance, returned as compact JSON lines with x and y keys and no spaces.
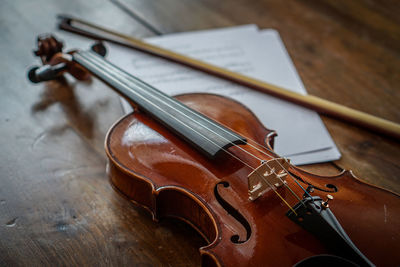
{"x":302,"y":136}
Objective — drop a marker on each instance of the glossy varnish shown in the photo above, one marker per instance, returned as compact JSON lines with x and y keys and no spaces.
{"x":56,"y":204}
{"x":160,"y":172}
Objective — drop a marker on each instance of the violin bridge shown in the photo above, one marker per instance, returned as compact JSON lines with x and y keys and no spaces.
{"x":268,"y":176}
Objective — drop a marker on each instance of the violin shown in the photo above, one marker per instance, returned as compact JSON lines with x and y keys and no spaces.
{"x":207,"y":160}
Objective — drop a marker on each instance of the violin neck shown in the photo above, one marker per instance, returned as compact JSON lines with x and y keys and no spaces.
{"x":208,"y":136}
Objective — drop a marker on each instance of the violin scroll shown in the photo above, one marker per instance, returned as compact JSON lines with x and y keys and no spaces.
{"x":55,"y":62}
{"x":47,"y":46}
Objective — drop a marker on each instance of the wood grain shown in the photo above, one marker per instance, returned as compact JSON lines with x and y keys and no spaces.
{"x":56,"y":204}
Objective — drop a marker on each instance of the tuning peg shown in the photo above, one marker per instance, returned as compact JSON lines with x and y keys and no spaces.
{"x":325,"y":204}
{"x":46,"y":72}
{"x":99,"y":48}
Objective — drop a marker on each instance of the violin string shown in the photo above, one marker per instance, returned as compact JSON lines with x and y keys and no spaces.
{"x":169,"y":105}
{"x":288,"y":187}
{"x":100,"y":65}
{"x":118,"y":81}
{"x":267,"y":148}
{"x":159,"y":93}
{"x":226,"y":151}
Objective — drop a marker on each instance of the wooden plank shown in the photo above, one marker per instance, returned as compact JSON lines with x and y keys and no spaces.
{"x":174,"y":16}
{"x":338,"y":56}
{"x":56,"y":204}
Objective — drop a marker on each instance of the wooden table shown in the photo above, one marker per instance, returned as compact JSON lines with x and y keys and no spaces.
{"x":56,"y":204}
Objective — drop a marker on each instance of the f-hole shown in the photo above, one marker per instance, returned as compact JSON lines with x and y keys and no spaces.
{"x":234,"y":213}
{"x":331,"y":188}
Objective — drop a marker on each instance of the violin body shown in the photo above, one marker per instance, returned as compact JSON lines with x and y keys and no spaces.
{"x":195,"y":158}
{"x":157,"y":170}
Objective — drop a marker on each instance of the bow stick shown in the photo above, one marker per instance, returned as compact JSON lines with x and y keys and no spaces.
{"x":320,"y":105}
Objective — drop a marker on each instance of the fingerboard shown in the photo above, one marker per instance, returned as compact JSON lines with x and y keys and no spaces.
{"x":206,"y":135}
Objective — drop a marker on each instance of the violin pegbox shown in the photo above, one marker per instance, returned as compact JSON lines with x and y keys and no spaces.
{"x":55,"y":62}
{"x":268,"y":176}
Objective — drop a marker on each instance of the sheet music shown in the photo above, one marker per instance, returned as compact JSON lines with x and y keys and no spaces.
{"x":260,"y":54}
